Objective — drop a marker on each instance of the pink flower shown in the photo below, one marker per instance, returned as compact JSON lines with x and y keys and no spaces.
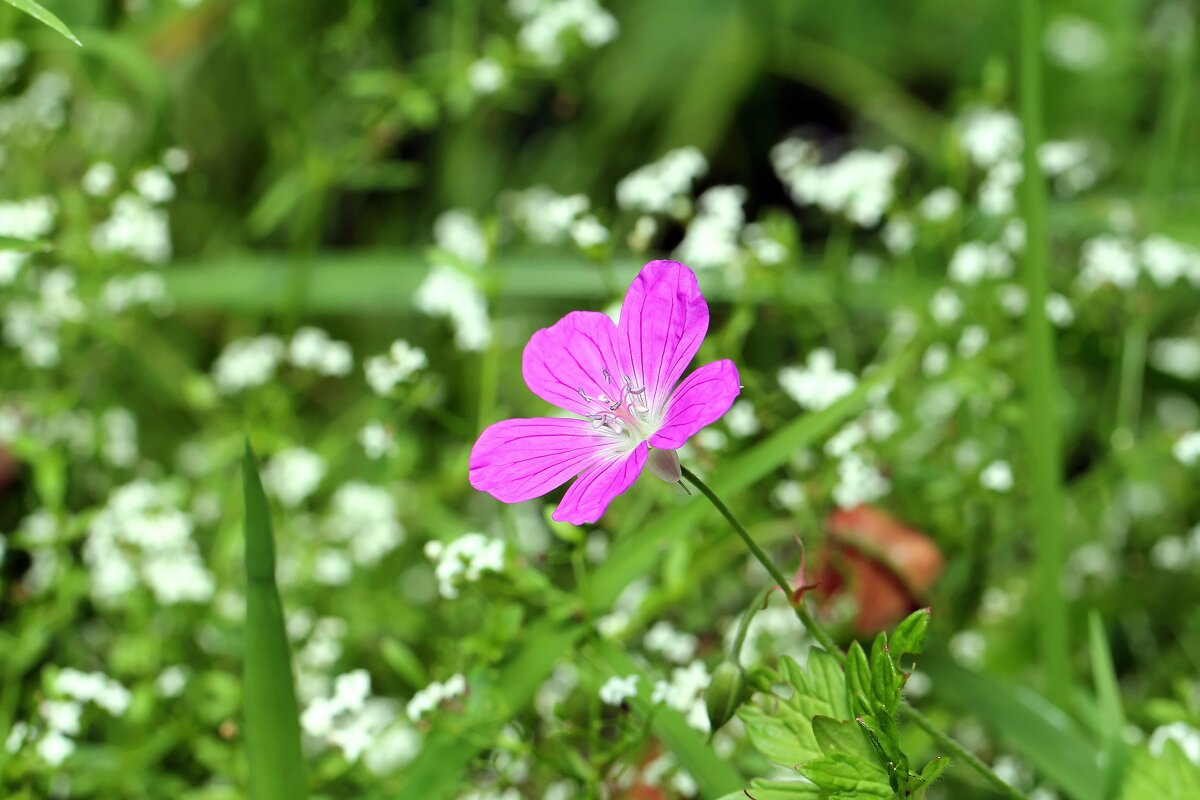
{"x":620,"y":383}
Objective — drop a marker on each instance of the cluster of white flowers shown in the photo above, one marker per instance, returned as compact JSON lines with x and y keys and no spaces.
{"x":12,"y":56}
{"x":120,"y":437}
{"x":1182,"y":734}
{"x":247,"y":363}
{"x":361,"y":726}
{"x":1109,"y":260}
{"x":859,"y":481}
{"x":997,"y":476}
{"x":1177,"y":553}
{"x":685,"y":693}
{"x":364,"y":517}
{"x":712,"y":236}
{"x":122,"y":292}
{"x":135,"y":228}
{"x":664,"y":186}
{"x":616,"y":690}
{"x":672,"y":644}
{"x":968,"y":648}
{"x":62,"y":718}
{"x":32,"y":325}
{"x":459,"y":234}
{"x":945,"y":306}
{"x":293,"y":475}
{"x":1075,"y":43}
{"x":28,"y":219}
{"x":1178,"y":356}
{"x":464,"y":560}
{"x":485,"y":76}
{"x":940,"y":204}
{"x":616,"y":622}
{"x":42,"y":107}
{"x":377,"y":440}
{"x":819,"y":383}
{"x":312,"y":348}
{"x":143,"y":534}
{"x":401,"y":362}
{"x":434,"y":695}
{"x":99,"y":179}
{"x":859,"y":185}
{"x":10,"y":266}
{"x":990,"y":136}
{"x":545,"y":23}
{"x":1187,"y":449}
{"x":763,"y":246}
{"x":448,"y":292}
{"x":154,"y":184}
{"x":543,"y":215}
{"x":1069,"y":164}
{"x":972,"y":262}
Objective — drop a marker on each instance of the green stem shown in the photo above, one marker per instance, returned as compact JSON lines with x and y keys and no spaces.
{"x":1133,"y":367}
{"x":826,"y":641}
{"x":958,"y":751}
{"x":760,"y":600}
{"x":1042,"y":407}
{"x":810,"y":624}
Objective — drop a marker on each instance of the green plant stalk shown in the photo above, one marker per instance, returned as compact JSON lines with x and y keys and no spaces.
{"x":827,"y":642}
{"x":756,"y":605}
{"x":810,"y":624}
{"x":1133,"y":369}
{"x":1042,"y":438}
{"x":275,"y":761}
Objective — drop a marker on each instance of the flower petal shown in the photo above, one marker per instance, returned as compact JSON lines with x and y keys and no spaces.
{"x":702,"y":398}
{"x":576,"y":353}
{"x":663,"y":321}
{"x":589,"y":496}
{"x":519,"y":459}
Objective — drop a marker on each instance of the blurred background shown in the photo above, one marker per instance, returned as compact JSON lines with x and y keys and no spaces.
{"x":332,"y":227}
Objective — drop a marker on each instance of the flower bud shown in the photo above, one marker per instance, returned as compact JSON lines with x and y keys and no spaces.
{"x":726,"y":691}
{"x":665,"y":464}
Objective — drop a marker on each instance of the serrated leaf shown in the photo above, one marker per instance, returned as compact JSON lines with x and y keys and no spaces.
{"x":38,"y":12}
{"x":782,"y":735}
{"x":842,"y":772}
{"x":778,"y":790}
{"x":909,"y":636}
{"x":930,"y":773}
{"x":842,"y":737}
{"x":819,"y":688}
{"x":858,"y":680}
{"x":1170,"y":776}
{"x":885,"y":678}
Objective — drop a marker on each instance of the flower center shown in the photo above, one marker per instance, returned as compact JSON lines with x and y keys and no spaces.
{"x":622,"y":410}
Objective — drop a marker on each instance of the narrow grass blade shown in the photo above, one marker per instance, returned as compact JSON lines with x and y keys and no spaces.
{"x":1042,"y":396}
{"x":39,"y":12}
{"x":276,"y":765}
{"x":1111,"y":712}
{"x":1025,"y":722}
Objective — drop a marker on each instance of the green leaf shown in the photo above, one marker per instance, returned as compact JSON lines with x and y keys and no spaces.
{"x":885,"y":679}
{"x":779,"y":790}
{"x":842,"y":737}
{"x":842,"y":772}
{"x":23,"y":245}
{"x":858,"y":680}
{"x":1112,"y":714}
{"x":909,"y":636}
{"x":38,"y":12}
{"x":819,"y":687}
{"x":782,"y":734}
{"x":930,"y":773}
{"x":276,"y":763}
{"x":1170,"y":776}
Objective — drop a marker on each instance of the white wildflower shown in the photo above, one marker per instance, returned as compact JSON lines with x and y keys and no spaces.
{"x":658,"y":188}
{"x":447,"y":292}
{"x":459,"y":234}
{"x":401,"y":362}
{"x":940,"y":205}
{"x":100,"y":179}
{"x":485,"y":76}
{"x":819,"y":383}
{"x":616,"y":690}
{"x":997,"y":477}
{"x":247,"y":363}
{"x":990,"y":136}
{"x":293,"y":475}
{"x":1075,"y":43}
{"x":312,"y":348}
{"x":712,"y":237}
{"x":464,"y":560}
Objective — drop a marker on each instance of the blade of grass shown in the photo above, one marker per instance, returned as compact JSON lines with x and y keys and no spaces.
{"x":1025,"y":722}
{"x":437,"y":771}
{"x":42,"y":15}
{"x":1042,"y":423}
{"x":1112,"y":714}
{"x":276,"y":764}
